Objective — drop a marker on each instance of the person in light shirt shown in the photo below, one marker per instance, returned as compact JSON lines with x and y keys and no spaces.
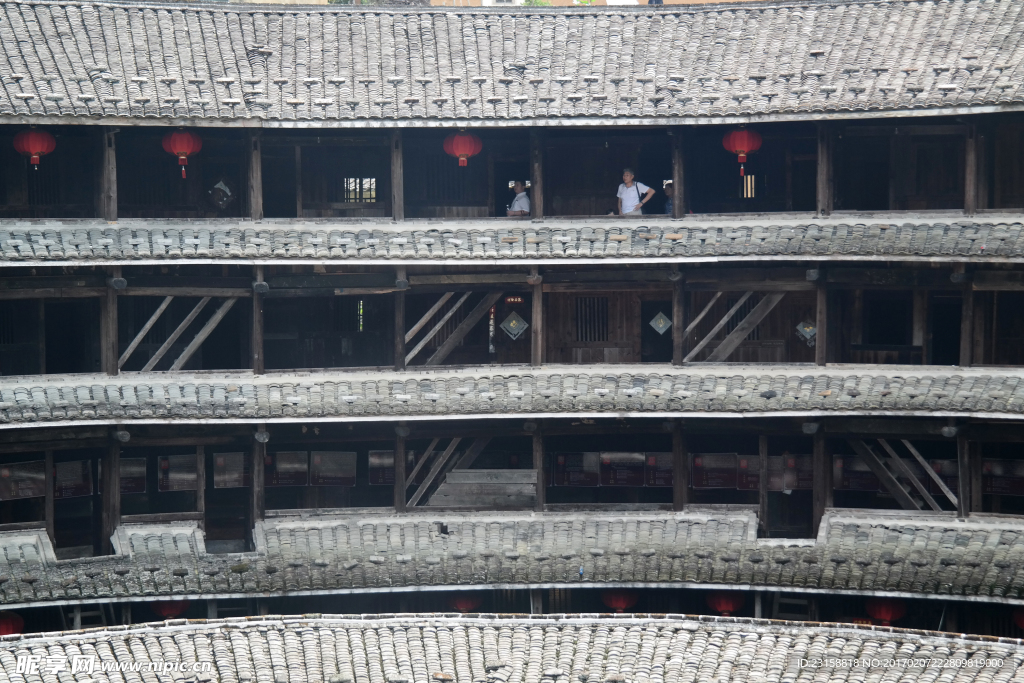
{"x":632,"y":195}
{"x":521,"y":204}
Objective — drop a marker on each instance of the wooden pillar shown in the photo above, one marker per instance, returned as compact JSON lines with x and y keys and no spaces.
{"x":255,"y":158}
{"x":257,"y":499}
{"x":680,"y":469}
{"x":111,"y":494}
{"x":977,"y":501}
{"x":108,"y":177}
{"x":967,"y":326}
{"x":201,"y":485}
{"x":400,"y":471}
{"x":41,"y":338}
{"x":259,"y":365}
{"x":400,"y":274}
{"x":821,"y":336}
{"x":678,"y":177}
{"x":678,"y":318}
{"x":537,"y":318}
{"x":536,"y":174}
{"x":821,"y":495}
{"x":48,"y":514}
{"x":298,"y":181}
{"x":824,"y":179}
{"x":762,"y":488}
{"x":919,"y":335}
{"x":108,"y":326}
{"x":971,"y":171}
{"x":963,"y":466}
{"x":397,"y":177}
{"x":538,"y":464}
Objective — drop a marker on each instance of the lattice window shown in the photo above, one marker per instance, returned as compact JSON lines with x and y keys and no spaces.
{"x":360,"y":189}
{"x":591,"y":318}
{"x":449,"y":325}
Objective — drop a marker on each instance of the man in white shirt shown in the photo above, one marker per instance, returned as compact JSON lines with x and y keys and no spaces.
{"x":632,"y":195}
{"x":521,"y":204}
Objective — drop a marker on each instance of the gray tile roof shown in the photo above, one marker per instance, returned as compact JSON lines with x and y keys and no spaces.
{"x":512,"y":649}
{"x":352,"y":66}
{"x":513,"y":391}
{"x":651,"y":239}
{"x":856,"y":551}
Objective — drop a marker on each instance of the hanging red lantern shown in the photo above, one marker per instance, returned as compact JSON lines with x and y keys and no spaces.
{"x":619,"y":600}
{"x":465,"y":602}
{"x":1018,"y":617}
{"x":182,"y":144}
{"x":742,"y":142}
{"x":726,"y":602}
{"x":34,"y":143}
{"x":11,"y":623}
{"x":463,"y":145}
{"x":168,"y":609}
{"x":886,"y":610}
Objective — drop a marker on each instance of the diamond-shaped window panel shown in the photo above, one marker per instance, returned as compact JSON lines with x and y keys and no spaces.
{"x":661,"y":323}
{"x":514,"y":325}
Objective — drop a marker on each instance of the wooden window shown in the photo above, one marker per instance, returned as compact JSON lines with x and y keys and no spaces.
{"x":749,"y":186}
{"x":360,"y":189}
{"x":591,"y":318}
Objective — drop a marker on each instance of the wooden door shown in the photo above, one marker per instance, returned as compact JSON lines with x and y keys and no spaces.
{"x":596,"y":327}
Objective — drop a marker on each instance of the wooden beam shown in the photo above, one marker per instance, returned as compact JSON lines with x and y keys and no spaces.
{"x":400,"y":336}
{"x":971,"y":171}
{"x":108,"y":327}
{"x":537,"y":320}
{"x":259,"y":365}
{"x":212,"y":292}
{"x":680,"y":468}
{"x":700,"y":316}
{"x":977,"y":499}
{"x":298,"y":181}
{"x":884,"y":476}
{"x":144,"y":331}
{"x":108,"y":176}
{"x":48,"y":511}
{"x":824,"y":174}
{"x":421,"y":323}
{"x":538,"y":465}
{"x":822,"y":484}
{"x":931,"y":472}
{"x":536,"y":174}
{"x":967,"y":327}
{"x":472,"y":453}
{"x":201,"y":485}
{"x":422,"y":461}
{"x":257,"y":498}
{"x":437,"y":328}
{"x":678,"y":177}
{"x":397,"y":177}
{"x":718,"y":326}
{"x":205,"y":332}
{"x":111,"y":495}
{"x":679,"y":320}
{"x":399,"y":488}
{"x":762,"y":484}
{"x":821,"y":328}
{"x":459,"y":333}
{"x":963,"y":468}
{"x":902,"y":468}
{"x":434,"y":471}
{"x":745,"y":327}
{"x":255,"y":158}
{"x":174,"y":335}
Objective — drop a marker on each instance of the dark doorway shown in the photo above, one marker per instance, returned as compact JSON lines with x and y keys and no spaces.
{"x":945,"y":324}
{"x":655,"y":346}
{"x":505,"y":172}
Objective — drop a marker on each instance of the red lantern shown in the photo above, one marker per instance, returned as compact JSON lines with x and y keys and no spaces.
{"x":465,"y":602}
{"x":168,"y":609}
{"x":34,"y":143}
{"x":620,"y":601}
{"x":1018,"y":617}
{"x":11,"y":623}
{"x":886,"y":610}
{"x":742,"y":142}
{"x":182,"y":144}
{"x":463,"y":146}
{"x":726,"y":602}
